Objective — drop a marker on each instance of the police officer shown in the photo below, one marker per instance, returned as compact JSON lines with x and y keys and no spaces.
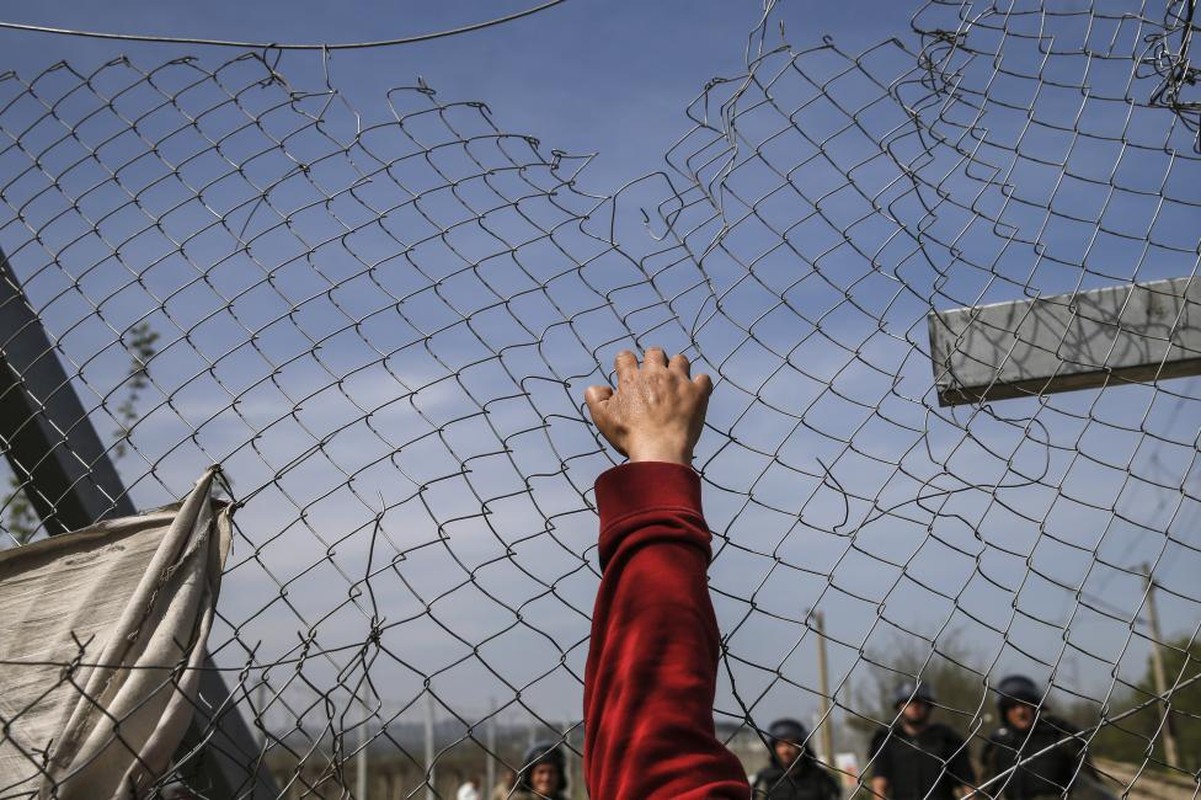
{"x":794,"y":772}
{"x":917,"y":758}
{"x":544,"y":776}
{"x":1014,"y":751}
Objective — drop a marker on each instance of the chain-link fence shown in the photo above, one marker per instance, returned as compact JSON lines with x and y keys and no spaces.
{"x":380,"y":321}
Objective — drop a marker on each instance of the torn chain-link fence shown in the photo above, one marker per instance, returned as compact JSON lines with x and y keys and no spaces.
{"x":380,"y":321}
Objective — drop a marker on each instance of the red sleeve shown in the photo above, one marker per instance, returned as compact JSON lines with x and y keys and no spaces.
{"x":652,"y":667}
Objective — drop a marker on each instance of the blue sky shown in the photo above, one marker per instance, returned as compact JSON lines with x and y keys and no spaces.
{"x":583,"y":76}
{"x":825,"y":412}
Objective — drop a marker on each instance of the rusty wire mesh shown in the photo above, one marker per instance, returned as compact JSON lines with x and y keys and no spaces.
{"x":380,"y":322}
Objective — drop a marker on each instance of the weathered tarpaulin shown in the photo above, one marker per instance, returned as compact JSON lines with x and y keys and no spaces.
{"x":102,"y":632}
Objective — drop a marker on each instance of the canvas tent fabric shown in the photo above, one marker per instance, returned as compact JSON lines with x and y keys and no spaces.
{"x":102,"y":636}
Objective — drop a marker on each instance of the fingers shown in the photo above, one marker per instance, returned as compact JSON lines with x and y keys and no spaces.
{"x":625,"y":364}
{"x":681,"y":364}
{"x":595,"y":397}
{"x":625,"y":367}
{"x":655,"y":355}
{"x":655,"y":411}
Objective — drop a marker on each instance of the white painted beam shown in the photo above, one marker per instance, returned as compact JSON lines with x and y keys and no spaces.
{"x":1133,"y":333}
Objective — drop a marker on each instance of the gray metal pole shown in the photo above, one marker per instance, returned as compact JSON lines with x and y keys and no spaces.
{"x":1171,"y":753}
{"x":490,"y":764}
{"x":262,"y":714}
{"x":823,"y":687}
{"x":361,"y":761}
{"x":430,"y":793}
{"x":569,"y":764}
{"x":71,"y":482}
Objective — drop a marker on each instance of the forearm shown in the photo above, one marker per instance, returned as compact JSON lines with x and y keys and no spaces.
{"x":652,"y":667}
{"x":880,"y":787}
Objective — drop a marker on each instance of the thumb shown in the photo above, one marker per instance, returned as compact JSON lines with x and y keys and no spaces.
{"x":596,"y":397}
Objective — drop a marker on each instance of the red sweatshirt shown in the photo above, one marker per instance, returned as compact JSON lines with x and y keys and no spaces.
{"x":652,"y":667}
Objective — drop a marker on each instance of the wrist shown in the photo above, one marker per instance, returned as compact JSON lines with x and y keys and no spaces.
{"x":660,"y":451}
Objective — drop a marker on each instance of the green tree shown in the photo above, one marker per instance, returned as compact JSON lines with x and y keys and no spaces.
{"x":19,"y":519}
{"x":140,"y":342}
{"x":964,"y":702}
{"x":960,"y":685}
{"x":1138,"y":737}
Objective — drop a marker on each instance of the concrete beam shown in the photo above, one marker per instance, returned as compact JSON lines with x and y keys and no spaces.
{"x":1133,"y":333}
{"x":65,"y":469}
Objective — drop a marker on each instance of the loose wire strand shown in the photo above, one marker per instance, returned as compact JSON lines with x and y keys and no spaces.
{"x":424,"y":37}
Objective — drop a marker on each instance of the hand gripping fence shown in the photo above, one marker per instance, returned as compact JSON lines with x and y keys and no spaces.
{"x":947,"y":289}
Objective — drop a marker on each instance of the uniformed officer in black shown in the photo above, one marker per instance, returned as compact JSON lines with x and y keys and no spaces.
{"x":917,"y":759}
{"x":1027,"y":728}
{"x":794,"y":772}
